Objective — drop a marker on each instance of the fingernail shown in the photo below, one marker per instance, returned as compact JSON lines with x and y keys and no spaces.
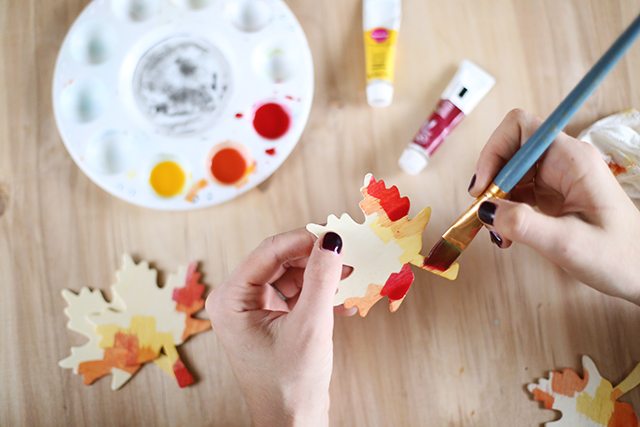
{"x":487,"y":212}
{"x":332,"y":242}
{"x":496,"y":239}
{"x":472,"y":183}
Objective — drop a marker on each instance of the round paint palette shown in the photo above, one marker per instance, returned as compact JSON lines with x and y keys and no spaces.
{"x":180,"y":104}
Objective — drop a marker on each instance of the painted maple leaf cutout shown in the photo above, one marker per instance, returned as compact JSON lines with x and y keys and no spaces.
{"x":381,"y":249}
{"x":143,"y":323}
{"x":587,"y":401}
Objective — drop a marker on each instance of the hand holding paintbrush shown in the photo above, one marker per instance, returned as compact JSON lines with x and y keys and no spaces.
{"x":462,"y":232}
{"x":584,"y":221}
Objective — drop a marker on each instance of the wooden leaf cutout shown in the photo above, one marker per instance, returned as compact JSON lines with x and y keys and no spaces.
{"x":589,"y":400}
{"x":143,"y":323}
{"x":380,"y":249}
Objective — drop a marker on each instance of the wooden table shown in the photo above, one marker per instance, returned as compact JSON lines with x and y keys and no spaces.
{"x":455,"y":354}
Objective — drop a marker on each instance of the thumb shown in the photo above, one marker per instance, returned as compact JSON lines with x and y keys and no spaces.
{"x":321,"y":277}
{"x":519,"y":222}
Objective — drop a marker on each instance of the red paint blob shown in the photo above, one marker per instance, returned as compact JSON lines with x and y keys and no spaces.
{"x":239,"y":115}
{"x":271,"y":121}
{"x":270,"y":151}
{"x":228,"y":166}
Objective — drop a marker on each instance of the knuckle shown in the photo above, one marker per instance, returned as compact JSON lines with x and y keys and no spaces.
{"x":517,"y":115}
{"x":213,"y":306}
{"x":592,"y":155}
{"x":516,"y":223}
{"x":269,"y":241}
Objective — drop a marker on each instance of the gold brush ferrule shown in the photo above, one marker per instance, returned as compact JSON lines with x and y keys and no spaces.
{"x":462,"y":232}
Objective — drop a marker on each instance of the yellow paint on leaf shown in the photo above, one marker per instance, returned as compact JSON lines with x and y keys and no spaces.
{"x":167,"y":178}
{"x":598,"y":408}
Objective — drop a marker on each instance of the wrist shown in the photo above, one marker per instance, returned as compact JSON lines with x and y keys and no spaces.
{"x":304,"y":409}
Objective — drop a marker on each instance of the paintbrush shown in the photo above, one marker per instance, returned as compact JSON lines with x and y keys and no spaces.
{"x":464,"y":229}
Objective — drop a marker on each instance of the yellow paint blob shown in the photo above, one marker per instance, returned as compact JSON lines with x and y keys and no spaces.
{"x":167,"y":178}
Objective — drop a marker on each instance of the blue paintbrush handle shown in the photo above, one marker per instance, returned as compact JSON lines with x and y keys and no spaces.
{"x":535,"y":146}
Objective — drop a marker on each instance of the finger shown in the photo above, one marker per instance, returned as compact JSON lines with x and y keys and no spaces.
{"x":271,"y":259}
{"x":321,"y":278}
{"x":290,"y":283}
{"x":520,"y":223}
{"x":524,"y":193}
{"x":341,"y":310}
{"x":514,"y":130}
{"x":497,"y":239}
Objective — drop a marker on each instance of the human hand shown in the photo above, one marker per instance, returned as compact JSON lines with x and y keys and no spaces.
{"x":584,"y":223}
{"x":281,"y":350}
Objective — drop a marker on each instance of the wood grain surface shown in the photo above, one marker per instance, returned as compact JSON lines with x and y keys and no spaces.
{"x":455,"y":354}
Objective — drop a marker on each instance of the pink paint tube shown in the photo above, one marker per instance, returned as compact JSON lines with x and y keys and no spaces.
{"x":470,"y":84}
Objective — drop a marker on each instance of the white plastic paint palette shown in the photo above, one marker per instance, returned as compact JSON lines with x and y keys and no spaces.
{"x":184,"y":103}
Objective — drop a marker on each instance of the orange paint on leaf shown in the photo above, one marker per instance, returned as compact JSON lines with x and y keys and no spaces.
{"x":365,"y":302}
{"x":126,"y":355}
{"x":229,"y":166}
{"x":568,"y":382}
{"x":189,"y":300}
{"x":167,"y":178}
{"x":623,"y":416}
{"x":544,"y":397}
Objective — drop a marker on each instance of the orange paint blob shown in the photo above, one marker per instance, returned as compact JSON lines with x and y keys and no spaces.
{"x":229,"y":166}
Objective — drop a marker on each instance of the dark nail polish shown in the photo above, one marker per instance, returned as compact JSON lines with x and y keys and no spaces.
{"x":473,"y":181}
{"x":487,"y":212}
{"x":332,"y":242}
{"x":496,"y":239}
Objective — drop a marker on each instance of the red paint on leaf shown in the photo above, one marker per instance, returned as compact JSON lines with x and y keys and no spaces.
{"x":397,"y":285}
{"x":191,"y":292}
{"x":183,"y":376}
{"x":395,"y":207}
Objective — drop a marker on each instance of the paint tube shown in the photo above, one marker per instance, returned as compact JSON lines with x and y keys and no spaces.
{"x":470,"y":84}
{"x":381,"y":21}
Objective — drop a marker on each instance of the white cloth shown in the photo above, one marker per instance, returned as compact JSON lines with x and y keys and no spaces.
{"x":617,"y":137}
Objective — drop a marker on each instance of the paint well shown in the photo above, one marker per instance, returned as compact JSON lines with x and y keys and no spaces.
{"x":271,"y":121}
{"x":249,"y":15}
{"x":92,"y":43}
{"x":84,"y":101}
{"x":110,"y":153}
{"x":167,"y":178}
{"x":193,"y":4}
{"x":274,"y":61}
{"x":136,"y":10}
{"x":229,"y":165}
{"x":182,"y":84}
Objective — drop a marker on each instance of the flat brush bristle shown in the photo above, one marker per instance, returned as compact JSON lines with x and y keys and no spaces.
{"x":442,"y":256}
